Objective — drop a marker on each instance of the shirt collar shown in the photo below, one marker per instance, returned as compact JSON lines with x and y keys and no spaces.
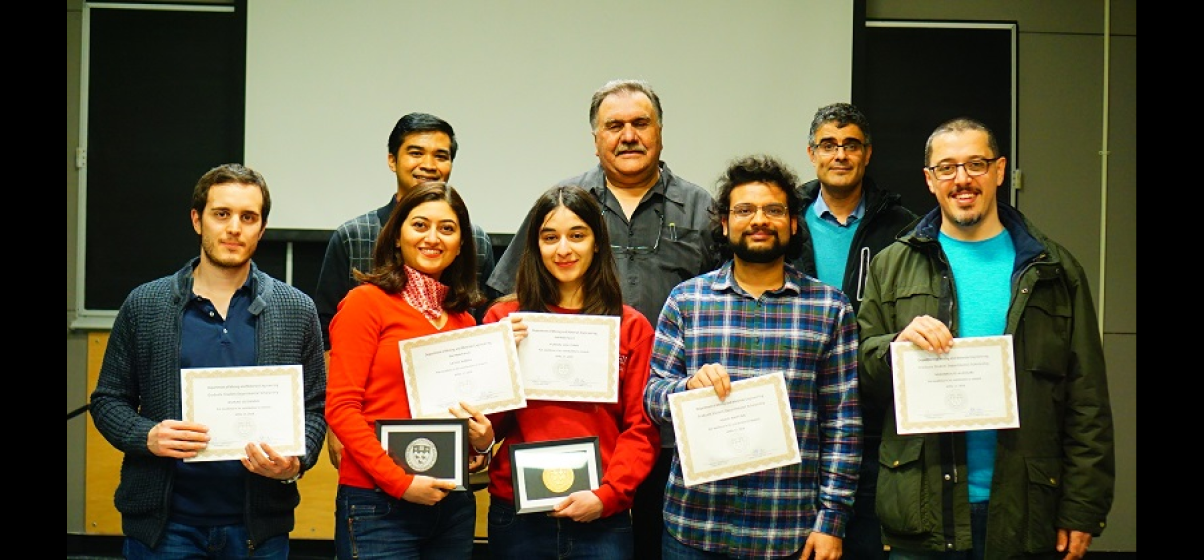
{"x":822,"y":211}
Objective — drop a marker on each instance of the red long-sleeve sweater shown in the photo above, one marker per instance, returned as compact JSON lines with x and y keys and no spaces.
{"x":628,"y":440}
{"x":364,"y":382}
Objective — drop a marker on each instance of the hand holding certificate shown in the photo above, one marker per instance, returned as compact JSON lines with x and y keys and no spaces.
{"x":972,"y":387}
{"x":478,"y":365}
{"x":241,"y":405}
{"x":751,"y":430}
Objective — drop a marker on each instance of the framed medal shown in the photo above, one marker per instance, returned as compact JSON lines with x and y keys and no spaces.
{"x":545,"y":472}
{"x":435,"y":447}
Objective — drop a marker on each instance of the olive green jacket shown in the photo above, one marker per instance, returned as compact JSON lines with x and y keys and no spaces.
{"x":1057,"y":470}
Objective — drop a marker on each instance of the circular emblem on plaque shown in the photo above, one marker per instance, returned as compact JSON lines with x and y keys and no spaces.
{"x":558,"y":480}
{"x":421,"y":454}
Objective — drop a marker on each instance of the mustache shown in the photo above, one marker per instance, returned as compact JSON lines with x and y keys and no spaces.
{"x":632,"y":147}
{"x":765,"y":230}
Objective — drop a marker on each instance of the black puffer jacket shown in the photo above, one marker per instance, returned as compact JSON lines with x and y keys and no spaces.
{"x":885,"y":218}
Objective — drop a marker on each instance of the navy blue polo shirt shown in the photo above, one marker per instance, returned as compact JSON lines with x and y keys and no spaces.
{"x":212,"y":493}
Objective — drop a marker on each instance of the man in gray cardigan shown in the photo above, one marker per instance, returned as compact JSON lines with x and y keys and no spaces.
{"x":218,"y":311}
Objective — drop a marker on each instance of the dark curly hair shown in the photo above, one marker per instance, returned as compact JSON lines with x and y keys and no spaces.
{"x":754,"y":169}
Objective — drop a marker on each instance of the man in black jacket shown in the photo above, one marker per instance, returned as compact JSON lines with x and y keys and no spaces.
{"x":846,"y":220}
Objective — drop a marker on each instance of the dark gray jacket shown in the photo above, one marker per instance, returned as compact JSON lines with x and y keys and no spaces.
{"x":139,"y":386}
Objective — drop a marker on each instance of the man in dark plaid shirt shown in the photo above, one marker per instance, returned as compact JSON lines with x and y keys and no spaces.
{"x":421,"y":149}
{"x":754,"y":316}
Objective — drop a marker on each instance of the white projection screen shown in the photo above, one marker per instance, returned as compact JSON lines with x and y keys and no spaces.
{"x":326,"y":81}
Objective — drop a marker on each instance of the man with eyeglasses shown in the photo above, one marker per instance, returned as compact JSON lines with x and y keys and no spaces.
{"x":975,"y":267}
{"x":846,"y":220}
{"x":658,"y":227}
{"x":758,"y":315}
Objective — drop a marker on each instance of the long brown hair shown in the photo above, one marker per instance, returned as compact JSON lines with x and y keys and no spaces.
{"x":535,"y":287}
{"x":388,"y":265}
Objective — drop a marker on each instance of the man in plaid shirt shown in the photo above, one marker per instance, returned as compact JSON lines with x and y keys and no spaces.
{"x":753,"y":316}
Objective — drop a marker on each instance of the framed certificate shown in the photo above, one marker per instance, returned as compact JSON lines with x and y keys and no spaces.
{"x":436,"y":448}
{"x":971,"y":387}
{"x":243,"y":405}
{"x":545,"y":472}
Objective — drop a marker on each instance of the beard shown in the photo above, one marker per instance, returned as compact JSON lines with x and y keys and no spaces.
{"x":214,"y":254}
{"x":759,"y":255}
{"x":967,"y":218}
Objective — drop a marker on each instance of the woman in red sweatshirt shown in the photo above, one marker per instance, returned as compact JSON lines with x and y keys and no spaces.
{"x":568,"y":266}
{"x":423,"y":282}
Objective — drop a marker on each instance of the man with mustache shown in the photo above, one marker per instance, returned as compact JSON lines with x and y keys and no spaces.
{"x":972,"y":267}
{"x":759,"y":315}
{"x":658,"y":229}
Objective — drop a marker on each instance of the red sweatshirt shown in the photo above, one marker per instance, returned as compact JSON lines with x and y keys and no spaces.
{"x":627,"y":438}
{"x":364,"y":382}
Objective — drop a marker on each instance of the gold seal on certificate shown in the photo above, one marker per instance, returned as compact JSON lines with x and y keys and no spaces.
{"x":558,"y":480}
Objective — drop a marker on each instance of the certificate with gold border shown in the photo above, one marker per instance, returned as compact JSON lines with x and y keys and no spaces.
{"x":545,"y":472}
{"x":241,"y":405}
{"x":477,"y":365}
{"x":570,"y":357}
{"x":971,"y":387}
{"x":752,"y":430}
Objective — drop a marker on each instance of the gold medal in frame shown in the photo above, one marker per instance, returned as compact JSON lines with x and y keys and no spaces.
{"x":545,"y":472}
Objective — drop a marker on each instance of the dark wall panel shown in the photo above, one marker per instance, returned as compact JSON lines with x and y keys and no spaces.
{"x":917,"y":77}
{"x":165,"y":104}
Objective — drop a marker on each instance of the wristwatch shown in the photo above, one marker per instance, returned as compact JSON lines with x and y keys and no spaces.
{"x":294,"y":479}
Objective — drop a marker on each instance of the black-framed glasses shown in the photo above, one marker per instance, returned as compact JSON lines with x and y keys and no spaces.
{"x":828,"y":147}
{"x":974,"y":168}
{"x":775,"y":210}
{"x":642,"y":249}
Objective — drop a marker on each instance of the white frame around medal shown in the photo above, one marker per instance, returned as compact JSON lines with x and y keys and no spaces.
{"x":579,"y":456}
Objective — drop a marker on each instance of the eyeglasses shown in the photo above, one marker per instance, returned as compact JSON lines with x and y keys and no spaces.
{"x":974,"y":168}
{"x":642,"y":249}
{"x":775,"y":210}
{"x":829,"y":148}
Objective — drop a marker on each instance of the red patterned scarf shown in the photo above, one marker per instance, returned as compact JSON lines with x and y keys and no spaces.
{"x":424,"y":293}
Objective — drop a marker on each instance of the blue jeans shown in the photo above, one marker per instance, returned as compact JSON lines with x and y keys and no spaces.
{"x":978,"y":539}
{"x":371,"y":524}
{"x":222,"y":542}
{"x":532,"y":536}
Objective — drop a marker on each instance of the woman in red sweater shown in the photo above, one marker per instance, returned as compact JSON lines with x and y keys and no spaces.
{"x":423,"y":282}
{"x":568,"y":266}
